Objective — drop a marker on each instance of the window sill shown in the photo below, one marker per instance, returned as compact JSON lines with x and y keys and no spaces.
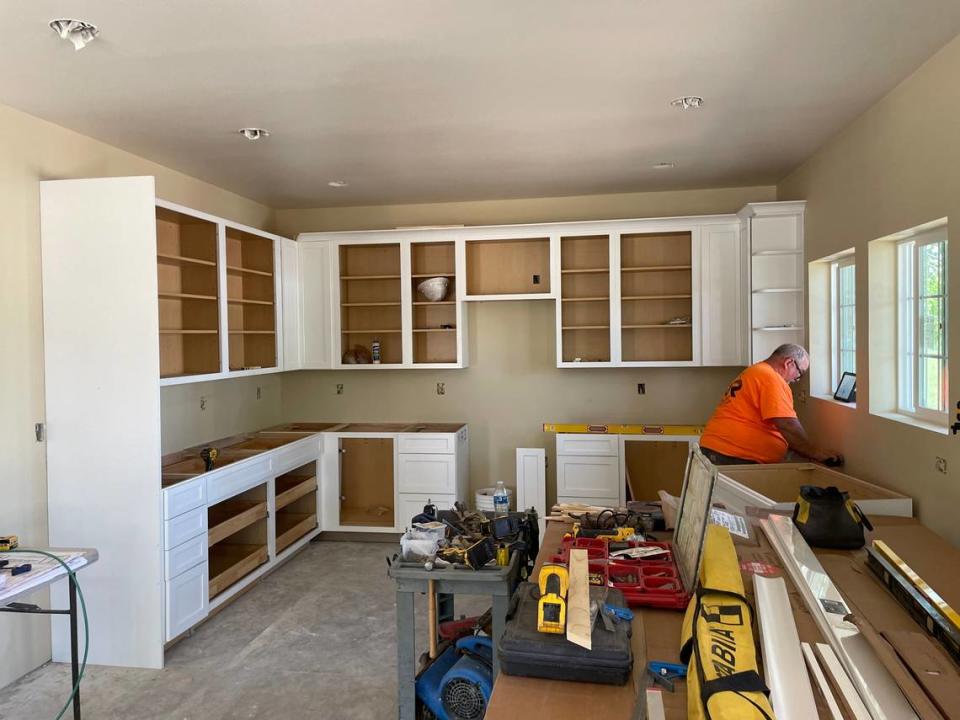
{"x":907,"y":420}
{"x":832,"y":401}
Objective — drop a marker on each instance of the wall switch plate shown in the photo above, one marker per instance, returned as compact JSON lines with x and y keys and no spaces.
{"x":259,"y":394}
{"x":441,"y":389}
{"x":339,"y":388}
{"x":38,"y":431}
{"x":941,"y":465}
{"x":203,"y":402}
{"x":641,"y":388}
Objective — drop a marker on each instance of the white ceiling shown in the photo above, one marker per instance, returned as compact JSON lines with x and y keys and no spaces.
{"x":438,"y":100}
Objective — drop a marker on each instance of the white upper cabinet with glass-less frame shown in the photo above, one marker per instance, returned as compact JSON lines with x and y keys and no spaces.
{"x":922,"y":369}
{"x":775,"y":240}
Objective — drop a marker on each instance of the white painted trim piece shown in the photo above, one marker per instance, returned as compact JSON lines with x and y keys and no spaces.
{"x":532,"y":482}
{"x":833,"y":666}
{"x":655,"y":709}
{"x":821,"y":681}
{"x":790,"y":690}
{"x":878,"y":690}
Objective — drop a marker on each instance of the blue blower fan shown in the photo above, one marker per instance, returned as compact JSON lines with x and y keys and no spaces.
{"x":458,"y":684}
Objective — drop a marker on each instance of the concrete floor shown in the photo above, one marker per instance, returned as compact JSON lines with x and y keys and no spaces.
{"x":312,"y":640}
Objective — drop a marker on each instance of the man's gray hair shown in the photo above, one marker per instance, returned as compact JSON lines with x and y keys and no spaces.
{"x":796,"y":352}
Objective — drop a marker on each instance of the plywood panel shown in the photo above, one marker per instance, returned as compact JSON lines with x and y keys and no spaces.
{"x":585,"y":252}
{"x":366,"y":481}
{"x":645,"y":250}
{"x":435,"y":347}
{"x":586,"y":345}
{"x":507,"y":267}
{"x":366,"y":260}
{"x":432,"y":258}
{"x":781,"y":483}
{"x":655,"y":312}
{"x":654,"y":465}
{"x":653,"y":344}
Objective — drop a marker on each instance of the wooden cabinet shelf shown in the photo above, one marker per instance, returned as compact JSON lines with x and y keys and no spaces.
{"x":229,"y":517}
{"x":229,"y":562}
{"x":586,"y":327}
{"x":248,"y":271}
{"x":371,"y":332}
{"x":433,"y":343}
{"x":585,"y":299}
{"x":165,"y":257}
{"x":253,"y":332}
{"x":657,"y":325}
{"x":438,"y":302}
{"x":655,"y":297}
{"x":371,"y":304}
{"x":430,"y":275}
{"x":186,"y":296}
{"x":293,"y":487}
{"x":244,"y":301}
{"x":584,"y":271}
{"x":293,"y":526}
{"x":434,"y":330}
{"x":369,"y":277}
{"x":655,"y":268}
{"x":370,"y":300}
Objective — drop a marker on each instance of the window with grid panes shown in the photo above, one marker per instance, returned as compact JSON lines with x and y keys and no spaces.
{"x":922,"y":326}
{"x":843,"y":318}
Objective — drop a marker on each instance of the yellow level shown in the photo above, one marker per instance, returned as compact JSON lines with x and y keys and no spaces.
{"x":614,"y":429}
{"x":928,"y":592}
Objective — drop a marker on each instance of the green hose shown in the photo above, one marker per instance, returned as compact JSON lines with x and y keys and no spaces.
{"x":86,"y":623}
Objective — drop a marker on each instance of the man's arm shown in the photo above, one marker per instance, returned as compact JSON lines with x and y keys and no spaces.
{"x":797,"y":439}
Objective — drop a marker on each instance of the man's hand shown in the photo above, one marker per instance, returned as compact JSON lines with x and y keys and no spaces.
{"x":797,"y":439}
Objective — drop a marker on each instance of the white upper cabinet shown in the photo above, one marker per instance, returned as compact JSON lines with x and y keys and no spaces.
{"x":290,"y":305}
{"x":774,"y":236}
{"x":667,"y":292}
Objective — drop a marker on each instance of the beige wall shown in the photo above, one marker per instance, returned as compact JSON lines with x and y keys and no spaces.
{"x":893,"y":168}
{"x":512,"y":385}
{"x":35,"y":150}
{"x":494,"y":212}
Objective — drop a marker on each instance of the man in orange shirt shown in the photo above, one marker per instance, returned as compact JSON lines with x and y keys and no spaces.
{"x":755,"y":422}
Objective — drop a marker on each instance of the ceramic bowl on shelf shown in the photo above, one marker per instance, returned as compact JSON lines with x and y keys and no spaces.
{"x":434,"y":289}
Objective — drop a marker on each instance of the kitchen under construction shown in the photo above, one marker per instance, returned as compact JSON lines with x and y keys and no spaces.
{"x":425,"y":361}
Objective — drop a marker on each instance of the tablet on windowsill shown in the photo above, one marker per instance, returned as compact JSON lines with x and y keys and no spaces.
{"x":846,"y":388}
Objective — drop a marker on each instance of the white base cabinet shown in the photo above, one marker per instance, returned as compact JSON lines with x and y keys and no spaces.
{"x":186,"y":599}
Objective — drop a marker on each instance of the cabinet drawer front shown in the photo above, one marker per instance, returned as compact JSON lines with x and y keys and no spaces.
{"x":232,"y":482}
{"x":183,"y":527}
{"x":411,"y":505}
{"x":428,"y":473}
{"x":184,"y":497}
{"x":588,"y":477}
{"x":186,"y":600}
{"x":185,"y":556}
{"x":588,"y":445}
{"x":296,"y":454}
{"x":443,"y":443}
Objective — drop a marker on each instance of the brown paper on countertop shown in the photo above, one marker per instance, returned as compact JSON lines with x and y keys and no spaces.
{"x":931,"y":666}
{"x":578,"y":601}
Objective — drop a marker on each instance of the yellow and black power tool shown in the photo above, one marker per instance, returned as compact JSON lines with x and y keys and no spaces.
{"x":617,"y":534}
{"x":554,"y":581}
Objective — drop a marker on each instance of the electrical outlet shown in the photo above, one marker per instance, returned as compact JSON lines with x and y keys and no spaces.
{"x":259,"y":395}
{"x":339,"y":388}
{"x":536,"y":279}
{"x":203,"y":402}
{"x":441,"y":389}
{"x":941,"y":465}
{"x":641,"y":388}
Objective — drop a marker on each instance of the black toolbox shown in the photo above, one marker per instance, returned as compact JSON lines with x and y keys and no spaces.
{"x":525,"y":651}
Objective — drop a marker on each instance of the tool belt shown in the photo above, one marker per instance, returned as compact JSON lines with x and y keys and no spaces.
{"x":828,"y":518}
{"x":717,"y":641}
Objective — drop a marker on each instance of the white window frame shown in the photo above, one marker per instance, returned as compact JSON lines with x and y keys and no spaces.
{"x":908,"y":327}
{"x":835,"y":294}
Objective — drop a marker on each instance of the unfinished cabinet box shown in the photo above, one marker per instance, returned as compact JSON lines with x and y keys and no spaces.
{"x":188,"y":294}
{"x":435,"y":317}
{"x":778,"y":486}
{"x":505,"y":268}
{"x":370,"y":296}
{"x":584,"y":312}
{"x":654,"y":463}
{"x":295,"y":501}
{"x":656,"y":296}
{"x":367,"y":487}
{"x":251,"y":305}
{"x":237,"y":538}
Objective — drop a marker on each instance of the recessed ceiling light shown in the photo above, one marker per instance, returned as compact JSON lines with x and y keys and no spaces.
{"x":76,"y":31}
{"x":664,"y":165}
{"x":687,"y":102}
{"x":338,"y":183}
{"x":254,"y":133}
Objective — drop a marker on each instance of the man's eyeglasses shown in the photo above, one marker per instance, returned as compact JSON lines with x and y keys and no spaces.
{"x":797,"y":370}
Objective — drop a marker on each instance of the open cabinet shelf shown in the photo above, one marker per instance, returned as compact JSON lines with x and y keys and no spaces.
{"x":187,"y":294}
{"x":434,"y":322}
{"x":585,"y":298}
{"x":230,"y":562}
{"x":251,"y":311}
{"x":370,"y":301}
{"x":367,"y":482}
{"x":508,"y":267}
{"x":656,"y":280}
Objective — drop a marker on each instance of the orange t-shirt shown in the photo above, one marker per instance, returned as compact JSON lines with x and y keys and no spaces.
{"x":741,"y":425}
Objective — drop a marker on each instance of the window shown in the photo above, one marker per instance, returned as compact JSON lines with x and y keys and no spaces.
{"x":922,"y":326}
{"x":843,"y":318}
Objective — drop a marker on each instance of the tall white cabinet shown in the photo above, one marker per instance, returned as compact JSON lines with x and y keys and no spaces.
{"x":135,"y":289}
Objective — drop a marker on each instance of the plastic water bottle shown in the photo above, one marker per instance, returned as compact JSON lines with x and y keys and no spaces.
{"x":375,"y":352}
{"x":501,"y":501}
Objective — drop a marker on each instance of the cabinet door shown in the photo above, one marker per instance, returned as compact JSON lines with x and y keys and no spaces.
{"x":723,"y":318}
{"x":290,"y":294}
{"x":588,"y":477}
{"x":316,"y":304}
{"x":186,"y":600}
{"x":428,"y":473}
